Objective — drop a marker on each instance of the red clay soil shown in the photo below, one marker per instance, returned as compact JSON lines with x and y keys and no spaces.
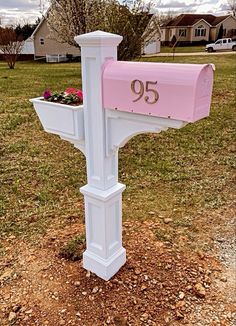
{"x":162,"y":283}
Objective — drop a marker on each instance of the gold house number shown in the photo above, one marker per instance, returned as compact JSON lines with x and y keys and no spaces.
{"x":138,"y":88}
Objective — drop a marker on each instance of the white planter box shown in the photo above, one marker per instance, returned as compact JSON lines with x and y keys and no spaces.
{"x":61,"y":119}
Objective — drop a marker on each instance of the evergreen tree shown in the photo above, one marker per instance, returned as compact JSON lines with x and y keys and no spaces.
{"x":221,"y":31}
{"x":26,"y":30}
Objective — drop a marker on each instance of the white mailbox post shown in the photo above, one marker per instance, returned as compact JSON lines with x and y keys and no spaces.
{"x":103,"y":217}
{"x":121,"y":100}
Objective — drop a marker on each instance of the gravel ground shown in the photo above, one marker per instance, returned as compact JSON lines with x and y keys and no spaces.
{"x":162,"y":283}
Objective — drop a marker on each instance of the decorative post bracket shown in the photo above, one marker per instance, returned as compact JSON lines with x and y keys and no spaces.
{"x":122,"y":126}
{"x":121,"y":100}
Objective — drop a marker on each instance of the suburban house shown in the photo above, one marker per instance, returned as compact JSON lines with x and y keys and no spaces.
{"x":195,"y":28}
{"x":46,"y":47}
{"x":152,"y":42}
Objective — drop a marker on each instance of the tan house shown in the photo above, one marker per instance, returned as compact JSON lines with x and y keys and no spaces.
{"x":195,"y":28}
{"x":44,"y":46}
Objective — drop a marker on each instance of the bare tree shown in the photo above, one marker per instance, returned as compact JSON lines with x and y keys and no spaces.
{"x":130,"y":21}
{"x":165,"y":18}
{"x":10,"y":45}
{"x":43,"y":4}
{"x":67,"y":18}
{"x":232,"y":7}
{"x":152,"y":30}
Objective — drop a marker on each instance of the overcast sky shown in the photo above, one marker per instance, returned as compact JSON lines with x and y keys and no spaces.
{"x":20,"y":11}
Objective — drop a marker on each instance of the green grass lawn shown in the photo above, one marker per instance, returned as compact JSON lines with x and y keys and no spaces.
{"x":183,"y":49}
{"x":176,"y":173}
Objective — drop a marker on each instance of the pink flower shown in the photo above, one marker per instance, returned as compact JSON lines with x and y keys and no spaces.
{"x":70,"y":91}
{"x":47,"y":93}
{"x":79,"y":94}
{"x":70,"y":96}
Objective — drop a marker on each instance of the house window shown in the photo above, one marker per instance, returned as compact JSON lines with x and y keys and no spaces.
{"x":182,"y":32}
{"x":200,"y":31}
{"x":41,"y":40}
{"x":170,"y":32}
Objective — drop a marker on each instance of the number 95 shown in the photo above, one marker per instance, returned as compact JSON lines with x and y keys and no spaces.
{"x":137,"y":87}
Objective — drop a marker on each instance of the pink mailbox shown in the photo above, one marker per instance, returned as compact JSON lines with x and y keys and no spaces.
{"x":167,"y":90}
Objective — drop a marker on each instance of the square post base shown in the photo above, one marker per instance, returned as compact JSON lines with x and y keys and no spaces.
{"x":104,"y":253}
{"x":104,"y":268}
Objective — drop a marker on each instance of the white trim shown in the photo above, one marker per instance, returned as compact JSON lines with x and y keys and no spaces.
{"x":38,"y":27}
{"x":158,"y":28}
{"x":40,"y":24}
{"x":202,"y":19}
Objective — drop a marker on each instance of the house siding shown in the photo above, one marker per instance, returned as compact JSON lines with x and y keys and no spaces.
{"x":183,"y":38}
{"x":172,"y":32}
{"x":51,"y":47}
{"x":213,"y":34}
{"x":163,"y":34}
{"x":167,"y":34}
{"x":201,"y":38}
{"x":228,"y":24}
{"x":151,"y":46}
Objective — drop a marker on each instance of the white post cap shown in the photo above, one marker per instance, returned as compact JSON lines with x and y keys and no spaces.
{"x":98,"y":38}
